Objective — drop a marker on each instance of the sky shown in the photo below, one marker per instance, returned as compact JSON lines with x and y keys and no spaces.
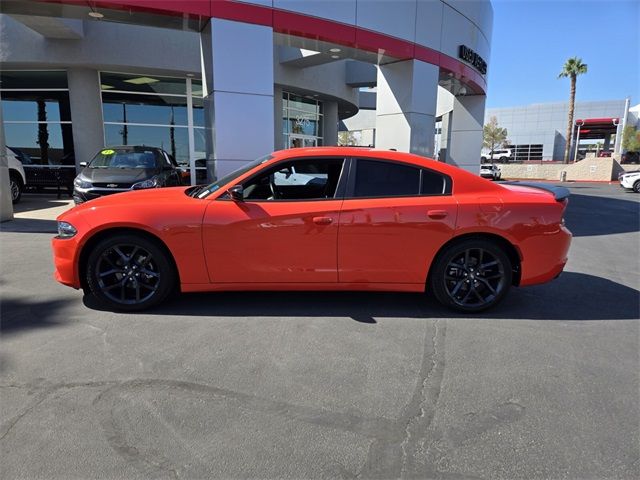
{"x":533,"y":38}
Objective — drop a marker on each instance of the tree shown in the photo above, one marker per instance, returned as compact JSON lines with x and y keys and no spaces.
{"x":43,"y":132}
{"x":571,"y":69}
{"x":346,"y":138}
{"x":631,"y":139}
{"x":494,"y":136}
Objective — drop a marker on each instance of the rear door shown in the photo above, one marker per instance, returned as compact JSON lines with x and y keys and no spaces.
{"x":394,"y":219}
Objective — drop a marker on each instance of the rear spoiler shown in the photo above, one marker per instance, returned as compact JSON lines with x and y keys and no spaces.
{"x":559,"y":193}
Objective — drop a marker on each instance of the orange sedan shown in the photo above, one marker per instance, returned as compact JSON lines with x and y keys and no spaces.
{"x":332,"y":218}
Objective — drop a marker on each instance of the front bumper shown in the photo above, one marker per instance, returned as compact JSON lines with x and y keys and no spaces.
{"x":65,"y":252}
{"x":81,"y":195}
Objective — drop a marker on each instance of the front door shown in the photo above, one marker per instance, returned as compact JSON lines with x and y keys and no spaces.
{"x":285,"y":230}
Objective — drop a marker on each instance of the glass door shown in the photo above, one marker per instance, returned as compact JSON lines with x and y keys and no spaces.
{"x":302,"y":141}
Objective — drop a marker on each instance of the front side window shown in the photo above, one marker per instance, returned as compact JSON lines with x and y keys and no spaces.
{"x":306,"y":179}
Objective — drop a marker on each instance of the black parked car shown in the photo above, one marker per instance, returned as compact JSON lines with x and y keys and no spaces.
{"x":121,"y":169}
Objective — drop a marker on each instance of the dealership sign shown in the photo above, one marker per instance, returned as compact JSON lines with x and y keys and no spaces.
{"x":469,"y":56}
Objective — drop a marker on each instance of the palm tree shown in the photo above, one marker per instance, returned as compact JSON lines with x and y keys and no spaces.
{"x":571,"y":68}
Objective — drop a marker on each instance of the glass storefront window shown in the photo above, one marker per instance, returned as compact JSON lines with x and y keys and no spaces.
{"x":198,"y":112}
{"x":36,"y":106}
{"x":154,"y":84}
{"x":173,"y":140}
{"x":152,"y":110}
{"x":301,"y":117}
{"x":37,"y":120}
{"x":43,"y":143}
{"x":29,"y":80}
{"x":117,"y":108}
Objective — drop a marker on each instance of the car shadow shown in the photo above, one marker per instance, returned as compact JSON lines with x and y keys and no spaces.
{"x":573,"y":296}
{"x":590,"y":215}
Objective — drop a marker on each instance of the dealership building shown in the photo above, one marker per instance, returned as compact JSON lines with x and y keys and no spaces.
{"x":217,"y":83}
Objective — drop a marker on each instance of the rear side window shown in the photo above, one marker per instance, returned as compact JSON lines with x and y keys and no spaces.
{"x":388,"y":179}
{"x":385,"y":179}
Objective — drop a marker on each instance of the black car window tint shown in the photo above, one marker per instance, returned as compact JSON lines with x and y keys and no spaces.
{"x":385,"y":179}
{"x":432,"y":183}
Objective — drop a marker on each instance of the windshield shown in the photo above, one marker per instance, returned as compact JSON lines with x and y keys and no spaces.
{"x":110,"y":158}
{"x":209,"y":189}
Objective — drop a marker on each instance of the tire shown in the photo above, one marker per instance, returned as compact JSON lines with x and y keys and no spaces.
{"x":16,"y":187}
{"x":504,"y":159}
{"x":456,"y":283}
{"x":636,"y":187}
{"x":128,"y":272}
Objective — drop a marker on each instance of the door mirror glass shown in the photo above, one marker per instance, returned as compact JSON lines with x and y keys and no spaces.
{"x":236,"y":193}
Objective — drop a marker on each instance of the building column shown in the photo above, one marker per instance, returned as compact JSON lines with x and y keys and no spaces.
{"x":330,"y":120}
{"x":278,"y":122}
{"x":237,"y":73}
{"x":406,"y":106}
{"x":464,"y":136}
{"x":86,"y":113}
{"x":6,"y":207}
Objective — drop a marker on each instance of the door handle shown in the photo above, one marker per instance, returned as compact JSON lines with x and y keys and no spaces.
{"x":437,"y":214}
{"x":322,"y":220}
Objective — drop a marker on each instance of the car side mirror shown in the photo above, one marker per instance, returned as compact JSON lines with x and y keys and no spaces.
{"x":236,"y":193}
{"x":83,"y":164}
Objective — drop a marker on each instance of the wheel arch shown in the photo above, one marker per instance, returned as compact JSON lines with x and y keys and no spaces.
{"x":509,"y":248}
{"x":105,"y":233}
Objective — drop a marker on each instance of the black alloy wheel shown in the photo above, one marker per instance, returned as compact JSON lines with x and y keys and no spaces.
{"x":471,"y":276}
{"x":15,"y":185}
{"x":636,"y":187}
{"x":129,"y":272}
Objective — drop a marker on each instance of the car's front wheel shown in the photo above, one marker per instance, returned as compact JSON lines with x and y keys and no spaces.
{"x":471,"y":275}
{"x":636,"y":187}
{"x":129,"y":272}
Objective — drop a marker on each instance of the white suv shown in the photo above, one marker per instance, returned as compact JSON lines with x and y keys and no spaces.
{"x":631,"y":181}
{"x":17,"y":178}
{"x":490,"y":170}
{"x":503,"y":156}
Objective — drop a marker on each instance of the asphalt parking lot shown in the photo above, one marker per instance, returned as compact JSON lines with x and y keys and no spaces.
{"x":329,"y":385}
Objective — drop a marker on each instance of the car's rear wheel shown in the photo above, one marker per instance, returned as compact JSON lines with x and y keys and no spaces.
{"x":16,"y":186}
{"x":471,"y":275}
{"x":128,"y":272}
{"x":636,"y":187}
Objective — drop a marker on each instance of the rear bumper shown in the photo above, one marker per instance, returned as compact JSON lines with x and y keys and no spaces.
{"x":545,"y":257}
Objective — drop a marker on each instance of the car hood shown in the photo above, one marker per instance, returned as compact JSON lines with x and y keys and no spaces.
{"x":136,"y":198}
{"x":117,"y":175}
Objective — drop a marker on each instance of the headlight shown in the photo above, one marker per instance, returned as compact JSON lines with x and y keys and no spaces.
{"x":151,"y":183}
{"x":66,"y":230}
{"x":80,"y":183}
